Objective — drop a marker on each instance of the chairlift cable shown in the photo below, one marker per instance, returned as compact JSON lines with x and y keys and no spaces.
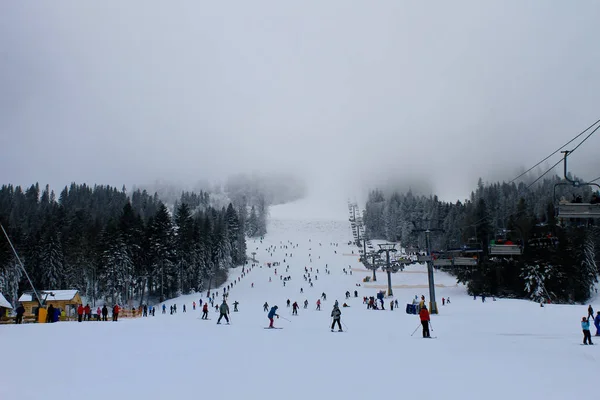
{"x":561,"y":160}
{"x":557,"y":150}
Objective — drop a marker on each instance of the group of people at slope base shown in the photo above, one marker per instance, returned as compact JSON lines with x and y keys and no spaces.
{"x":585,"y":325}
{"x":85,"y":313}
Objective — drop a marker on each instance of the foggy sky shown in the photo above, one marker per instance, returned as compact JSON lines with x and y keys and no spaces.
{"x":348,"y":94}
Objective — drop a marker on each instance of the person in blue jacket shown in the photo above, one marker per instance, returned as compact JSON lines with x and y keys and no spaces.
{"x":585,"y":326}
{"x":597,"y":323}
{"x":272,"y":313}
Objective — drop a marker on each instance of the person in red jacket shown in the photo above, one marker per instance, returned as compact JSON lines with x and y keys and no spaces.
{"x":205,"y":311}
{"x":424,"y":315}
{"x":115,"y":312}
{"x":80,"y":313}
{"x":88,"y":312}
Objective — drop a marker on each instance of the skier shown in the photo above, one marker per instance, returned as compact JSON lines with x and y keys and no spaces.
{"x":448,"y":300}
{"x":424,"y":315}
{"x":590,"y":312}
{"x":306,"y":304}
{"x":205,"y":311}
{"x":443,"y":301}
{"x":288,"y":302}
{"x":336,"y":315}
{"x":266,"y":306}
{"x":585,"y":326}
{"x":194,"y":306}
{"x":184,"y":308}
{"x":597,"y":323}
{"x":164,"y":308}
{"x":235,"y":304}
{"x":295,"y":308}
{"x":272,"y":313}
{"x":319,"y":305}
{"x":224,"y":312}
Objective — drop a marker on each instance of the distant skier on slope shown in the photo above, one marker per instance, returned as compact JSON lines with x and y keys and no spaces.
{"x":336,"y":314}
{"x":306,"y":304}
{"x":266,"y":306}
{"x":424,"y":316}
{"x":295,"y":308}
{"x":319,"y":305}
{"x":272,"y":313}
{"x":205,"y":311}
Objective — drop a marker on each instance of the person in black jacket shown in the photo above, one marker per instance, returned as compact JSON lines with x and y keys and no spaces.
{"x":20,"y":312}
{"x":336,"y":314}
{"x":104,"y":313}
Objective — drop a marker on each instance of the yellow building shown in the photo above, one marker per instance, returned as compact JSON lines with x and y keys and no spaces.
{"x":65,"y":300}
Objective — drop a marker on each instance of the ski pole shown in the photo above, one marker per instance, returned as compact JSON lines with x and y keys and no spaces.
{"x":345,"y":326}
{"x":431,"y":326}
{"x":285,"y":319}
{"x":415,"y":330}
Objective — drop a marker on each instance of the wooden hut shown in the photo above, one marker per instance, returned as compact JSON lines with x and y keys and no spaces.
{"x":67,"y":300}
{"x":4,"y":307}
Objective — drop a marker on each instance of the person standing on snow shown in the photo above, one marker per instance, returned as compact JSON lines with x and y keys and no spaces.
{"x":224,"y":312}
{"x":272,"y":313}
{"x":266,"y":306}
{"x":597,"y":323}
{"x":235,"y":304}
{"x":585,"y":326}
{"x":295,"y":308}
{"x":336,"y":314}
{"x":104,"y":313}
{"x":305,"y":303}
{"x":424,"y":316}
{"x":590,"y":312}
{"x":205,"y":311}
{"x":319,"y":305}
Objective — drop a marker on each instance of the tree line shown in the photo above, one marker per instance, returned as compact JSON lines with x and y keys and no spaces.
{"x":559,"y":260}
{"x":114,"y":246}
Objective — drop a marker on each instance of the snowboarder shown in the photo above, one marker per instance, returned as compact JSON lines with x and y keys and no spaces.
{"x":295,"y":308}
{"x":266,"y":306}
{"x":585,"y":326}
{"x":424,"y":316}
{"x":336,"y":314}
{"x":224,"y":312}
{"x":272,"y":313}
{"x":235,"y":304}
{"x":204,"y":311}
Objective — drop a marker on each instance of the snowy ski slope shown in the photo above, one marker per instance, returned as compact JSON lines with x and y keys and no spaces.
{"x":507,"y":349}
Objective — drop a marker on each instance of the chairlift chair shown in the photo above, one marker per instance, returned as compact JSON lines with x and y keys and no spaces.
{"x":568,"y":210}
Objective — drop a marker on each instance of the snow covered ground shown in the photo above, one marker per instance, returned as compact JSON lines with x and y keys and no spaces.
{"x":507,"y":349}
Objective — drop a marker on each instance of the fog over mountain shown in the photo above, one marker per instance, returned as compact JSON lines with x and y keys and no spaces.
{"x":344,"y":95}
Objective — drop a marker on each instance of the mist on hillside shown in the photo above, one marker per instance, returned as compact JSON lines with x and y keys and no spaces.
{"x":341,"y":98}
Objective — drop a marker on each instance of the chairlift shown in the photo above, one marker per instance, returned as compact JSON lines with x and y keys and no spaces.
{"x":577,"y":208}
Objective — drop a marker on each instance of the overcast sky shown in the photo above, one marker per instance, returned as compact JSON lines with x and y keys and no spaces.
{"x":345,"y":93}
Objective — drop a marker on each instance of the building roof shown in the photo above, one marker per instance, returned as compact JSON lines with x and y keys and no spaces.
{"x":53,"y":295}
{"x":3,"y":302}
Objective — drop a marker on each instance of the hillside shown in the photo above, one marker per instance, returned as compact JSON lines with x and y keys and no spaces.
{"x":493,"y":350}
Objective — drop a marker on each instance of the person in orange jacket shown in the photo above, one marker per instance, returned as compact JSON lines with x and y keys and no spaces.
{"x":116,"y":312}
{"x":424,"y":315}
{"x":80,"y":313}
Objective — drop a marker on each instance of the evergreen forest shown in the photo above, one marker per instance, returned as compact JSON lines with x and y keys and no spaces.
{"x":117,"y":247}
{"x":559,"y":259}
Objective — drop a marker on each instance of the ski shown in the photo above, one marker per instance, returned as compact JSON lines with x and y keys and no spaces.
{"x":272,"y":327}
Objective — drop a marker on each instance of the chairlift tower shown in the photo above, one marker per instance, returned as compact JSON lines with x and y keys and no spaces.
{"x":432,"y":303}
{"x":388,"y":248}
{"x":374,"y":264}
